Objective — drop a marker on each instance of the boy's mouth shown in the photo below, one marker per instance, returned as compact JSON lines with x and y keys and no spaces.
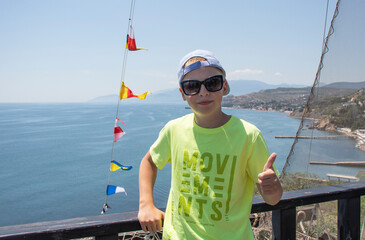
{"x":205,"y":102}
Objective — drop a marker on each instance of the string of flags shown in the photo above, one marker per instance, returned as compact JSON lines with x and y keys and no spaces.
{"x":125,"y":93}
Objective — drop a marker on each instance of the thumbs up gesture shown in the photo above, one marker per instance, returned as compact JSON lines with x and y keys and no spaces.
{"x":269,"y":184}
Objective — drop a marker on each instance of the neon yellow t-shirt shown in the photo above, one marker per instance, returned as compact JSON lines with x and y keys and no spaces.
{"x":213,"y":172}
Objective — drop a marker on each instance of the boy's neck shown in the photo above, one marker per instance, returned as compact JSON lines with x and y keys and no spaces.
{"x":212,"y":121}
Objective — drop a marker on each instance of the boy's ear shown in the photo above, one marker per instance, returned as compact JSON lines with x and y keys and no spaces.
{"x":182,"y":94}
{"x":225,"y":88}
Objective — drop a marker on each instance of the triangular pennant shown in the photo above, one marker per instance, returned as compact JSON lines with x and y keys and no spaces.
{"x":114,"y":189}
{"x":125,"y":92}
{"x":131,"y":42}
{"x":118,"y":132}
{"x":114,"y":166}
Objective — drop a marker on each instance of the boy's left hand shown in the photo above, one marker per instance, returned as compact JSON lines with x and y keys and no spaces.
{"x":268,"y":181}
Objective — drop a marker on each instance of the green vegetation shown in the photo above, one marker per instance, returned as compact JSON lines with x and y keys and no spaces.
{"x":341,"y":111}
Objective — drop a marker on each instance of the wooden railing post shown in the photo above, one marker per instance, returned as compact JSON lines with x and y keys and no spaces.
{"x":348,"y":223}
{"x":284,"y":224}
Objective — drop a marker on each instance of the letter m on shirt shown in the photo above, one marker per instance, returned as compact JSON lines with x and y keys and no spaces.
{"x":190,"y":162}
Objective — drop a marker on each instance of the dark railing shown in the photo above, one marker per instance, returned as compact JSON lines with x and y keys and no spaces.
{"x":283,"y":217}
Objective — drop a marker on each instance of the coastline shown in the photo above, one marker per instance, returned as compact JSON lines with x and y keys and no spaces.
{"x":358,"y":135}
{"x":260,"y":110}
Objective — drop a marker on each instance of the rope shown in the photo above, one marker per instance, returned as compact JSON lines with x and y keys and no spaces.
{"x":141,"y":235}
{"x":131,"y":14}
{"x":315,"y":85}
{"x":316,"y":95}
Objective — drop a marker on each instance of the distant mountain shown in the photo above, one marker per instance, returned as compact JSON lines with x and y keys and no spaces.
{"x":105,"y":99}
{"x":163,"y":96}
{"x":238,"y":87}
{"x":241,"y":87}
{"x":346,"y":85}
{"x":172,"y":95}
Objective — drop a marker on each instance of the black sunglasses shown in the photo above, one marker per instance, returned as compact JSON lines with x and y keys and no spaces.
{"x":192,"y":87}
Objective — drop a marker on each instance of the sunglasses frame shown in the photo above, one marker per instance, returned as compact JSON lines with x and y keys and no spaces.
{"x":202,"y":83}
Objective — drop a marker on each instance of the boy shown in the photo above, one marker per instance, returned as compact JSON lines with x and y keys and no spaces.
{"x":215,"y":159}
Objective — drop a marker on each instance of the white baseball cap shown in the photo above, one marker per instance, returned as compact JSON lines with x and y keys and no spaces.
{"x":210,"y":61}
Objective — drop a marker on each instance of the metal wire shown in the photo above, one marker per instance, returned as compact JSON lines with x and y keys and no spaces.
{"x":314,"y":87}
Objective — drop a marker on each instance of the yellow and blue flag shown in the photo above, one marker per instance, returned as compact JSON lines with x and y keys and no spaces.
{"x":114,"y":166}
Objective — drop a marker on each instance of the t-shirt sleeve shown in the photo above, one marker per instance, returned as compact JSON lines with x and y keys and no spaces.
{"x":161,"y":149}
{"x":258,"y":156}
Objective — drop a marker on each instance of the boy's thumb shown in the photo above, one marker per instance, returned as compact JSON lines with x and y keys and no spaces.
{"x":270,"y":162}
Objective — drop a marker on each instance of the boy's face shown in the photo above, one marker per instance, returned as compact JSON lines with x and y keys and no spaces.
{"x":204,"y":102}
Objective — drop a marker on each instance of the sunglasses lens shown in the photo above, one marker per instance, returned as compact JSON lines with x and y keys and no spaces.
{"x":191,"y":87}
{"x":214,"y":83}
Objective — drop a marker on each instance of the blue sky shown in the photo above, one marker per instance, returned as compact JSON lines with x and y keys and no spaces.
{"x":72,"y":50}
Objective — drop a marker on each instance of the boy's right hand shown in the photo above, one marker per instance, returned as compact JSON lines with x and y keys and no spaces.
{"x":150,"y":218}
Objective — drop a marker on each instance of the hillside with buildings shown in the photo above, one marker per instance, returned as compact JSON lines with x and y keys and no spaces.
{"x":333,"y":106}
{"x":340,"y":112}
{"x":280,"y":99}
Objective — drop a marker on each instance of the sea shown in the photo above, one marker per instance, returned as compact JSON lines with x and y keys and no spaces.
{"x":55,"y":157}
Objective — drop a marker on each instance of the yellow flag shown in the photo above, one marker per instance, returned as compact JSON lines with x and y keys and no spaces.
{"x":125,"y":92}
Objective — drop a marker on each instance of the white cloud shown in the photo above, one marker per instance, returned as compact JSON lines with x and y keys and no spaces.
{"x":244,"y":73}
{"x":277,"y":74}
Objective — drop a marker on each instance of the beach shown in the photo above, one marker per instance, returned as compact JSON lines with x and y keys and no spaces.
{"x":358,"y":135}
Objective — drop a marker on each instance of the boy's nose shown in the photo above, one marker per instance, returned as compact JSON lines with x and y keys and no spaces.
{"x":203,"y":91}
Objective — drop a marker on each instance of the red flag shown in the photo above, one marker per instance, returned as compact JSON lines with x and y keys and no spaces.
{"x":131,"y":42}
{"x":118,"y":132}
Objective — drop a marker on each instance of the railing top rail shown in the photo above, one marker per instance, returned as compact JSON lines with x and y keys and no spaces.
{"x":311,"y":196}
